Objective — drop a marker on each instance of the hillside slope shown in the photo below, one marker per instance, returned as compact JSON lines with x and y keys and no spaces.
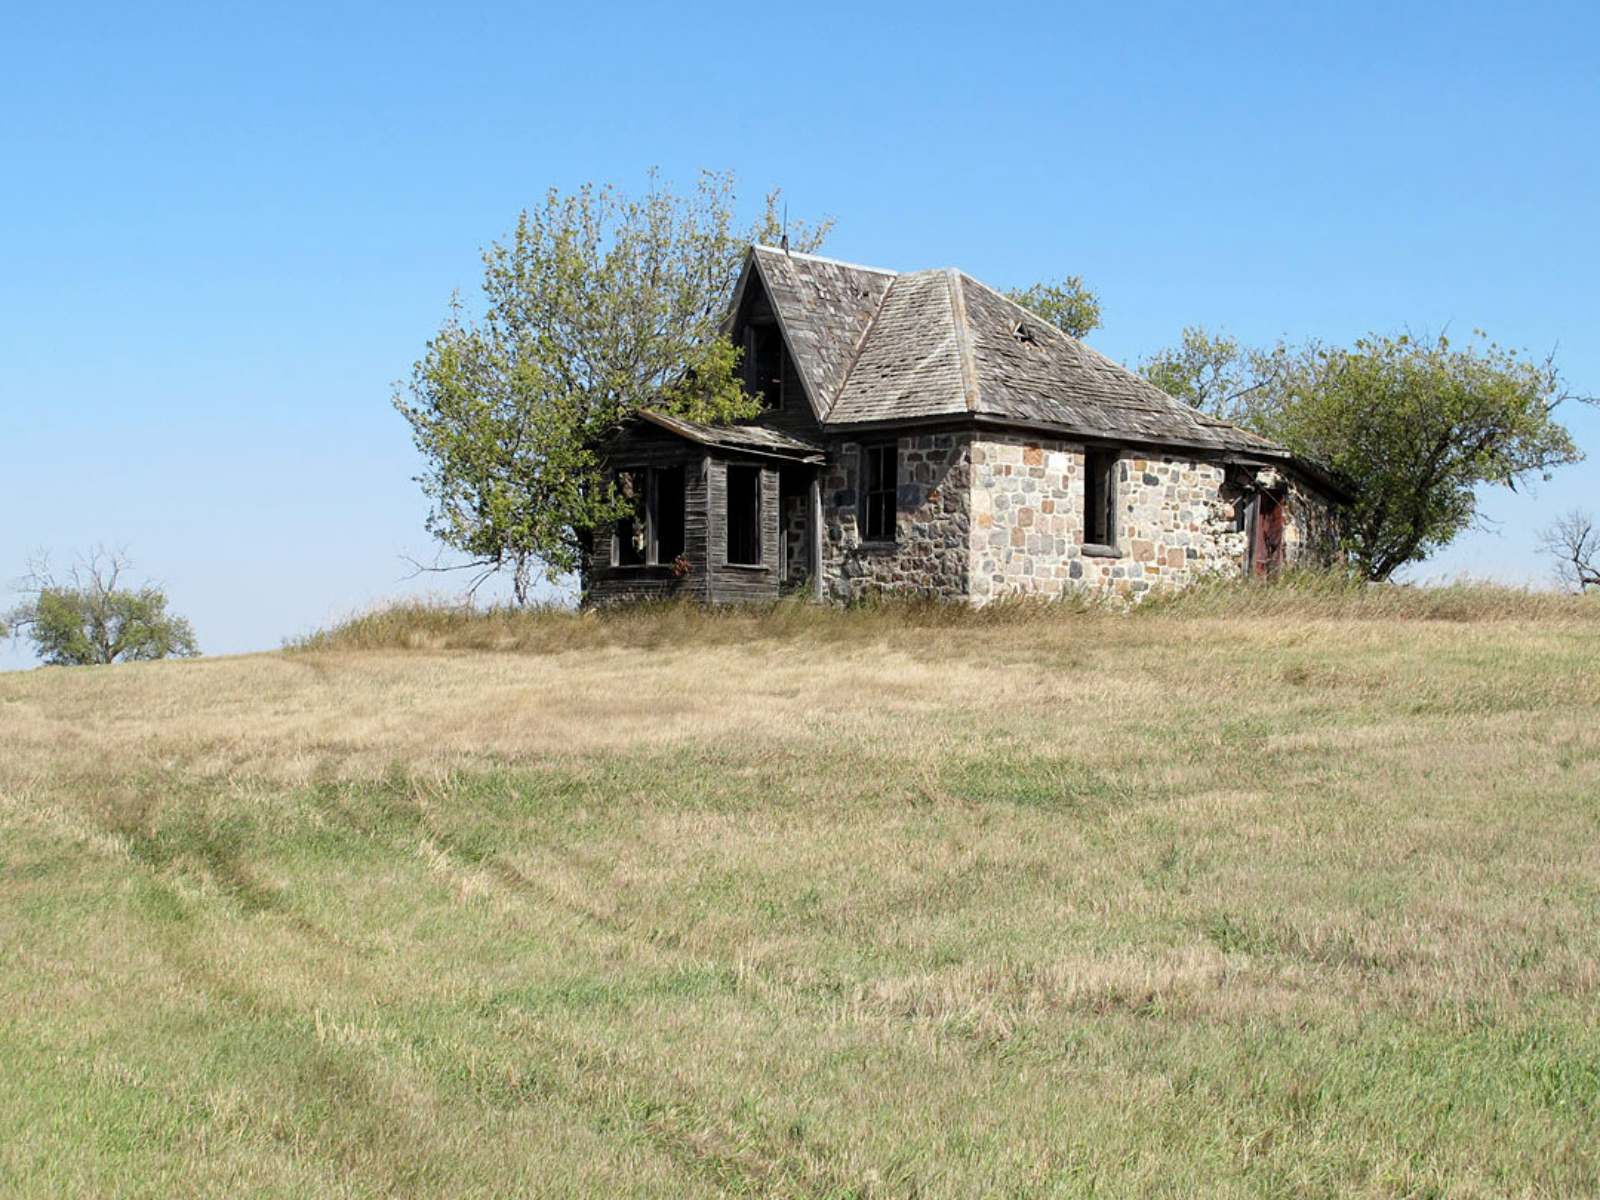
{"x":1163,"y":906}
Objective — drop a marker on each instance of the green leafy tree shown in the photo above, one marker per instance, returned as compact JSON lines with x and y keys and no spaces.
{"x":1211,"y":372}
{"x":1068,"y":304}
{"x":91,"y":617}
{"x":596,"y":306}
{"x":1413,"y":426}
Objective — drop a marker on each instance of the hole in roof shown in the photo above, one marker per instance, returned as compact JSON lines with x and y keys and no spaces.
{"x":1023,"y":334}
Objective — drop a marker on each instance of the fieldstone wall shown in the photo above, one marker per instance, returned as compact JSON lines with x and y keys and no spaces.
{"x":990,"y":516}
{"x":931,"y":553}
{"x":1310,"y":528}
{"x":1175,"y":521}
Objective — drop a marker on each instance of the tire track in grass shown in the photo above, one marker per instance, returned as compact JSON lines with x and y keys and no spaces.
{"x":203,"y":866}
{"x":314,"y":1055}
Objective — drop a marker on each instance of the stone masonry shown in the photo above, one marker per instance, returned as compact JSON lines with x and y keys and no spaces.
{"x":991,"y":516}
{"x":931,"y":553}
{"x":1175,"y":521}
{"x":1310,"y":531}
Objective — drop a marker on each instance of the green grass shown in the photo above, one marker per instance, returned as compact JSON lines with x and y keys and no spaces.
{"x":1246,"y":894}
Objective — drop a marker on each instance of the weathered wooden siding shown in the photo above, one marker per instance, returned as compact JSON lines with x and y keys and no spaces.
{"x":732,"y":583}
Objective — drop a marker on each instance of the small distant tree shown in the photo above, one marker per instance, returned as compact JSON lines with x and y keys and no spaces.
{"x":596,"y":306}
{"x":90,"y":616}
{"x":1574,"y":542}
{"x":1068,"y":304}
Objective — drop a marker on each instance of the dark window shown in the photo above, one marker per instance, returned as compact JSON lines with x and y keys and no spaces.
{"x":744,"y":516}
{"x":666,"y":512}
{"x":879,"y":486}
{"x":1100,"y":498}
{"x":763,"y":363}
{"x":653,"y":532}
{"x":633,"y":529}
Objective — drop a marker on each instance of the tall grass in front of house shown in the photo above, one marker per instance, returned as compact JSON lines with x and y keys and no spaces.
{"x":439,"y":624}
{"x":899,"y":902}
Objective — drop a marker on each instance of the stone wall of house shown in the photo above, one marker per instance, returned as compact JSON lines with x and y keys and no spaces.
{"x":1175,"y":521}
{"x":1310,"y":528}
{"x":989,"y":516}
{"x":931,"y":553}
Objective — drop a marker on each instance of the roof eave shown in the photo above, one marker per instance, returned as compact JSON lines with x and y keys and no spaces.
{"x":701,"y":436}
{"x":725,"y":327}
{"x":1244,"y":455}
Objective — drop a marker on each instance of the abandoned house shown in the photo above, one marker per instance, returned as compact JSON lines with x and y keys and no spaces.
{"x":922,"y":433}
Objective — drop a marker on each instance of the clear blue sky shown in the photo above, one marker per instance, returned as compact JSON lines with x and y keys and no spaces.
{"x":226,"y":230}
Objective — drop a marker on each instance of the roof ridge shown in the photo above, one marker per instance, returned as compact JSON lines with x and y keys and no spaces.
{"x":969,"y":362}
{"x":861,"y":344}
{"x":838,"y":262}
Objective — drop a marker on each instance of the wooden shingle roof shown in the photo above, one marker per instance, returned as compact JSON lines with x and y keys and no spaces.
{"x":874,"y":346}
{"x":824,"y":308}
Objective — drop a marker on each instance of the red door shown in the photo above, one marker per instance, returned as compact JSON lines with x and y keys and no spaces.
{"x":1267,"y":553}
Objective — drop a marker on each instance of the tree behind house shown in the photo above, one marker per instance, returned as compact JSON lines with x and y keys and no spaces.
{"x":596,"y":306}
{"x":1068,"y":304}
{"x":1412,"y":426}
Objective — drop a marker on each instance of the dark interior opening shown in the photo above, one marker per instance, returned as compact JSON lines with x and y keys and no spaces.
{"x":744,"y":516}
{"x":879,"y":487}
{"x":1099,"y":498}
{"x":632,"y":529}
{"x":667,"y":513}
{"x":652,"y":532}
{"x":763,"y":362}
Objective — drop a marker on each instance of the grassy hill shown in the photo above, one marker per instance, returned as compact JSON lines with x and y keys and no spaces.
{"x":1255,"y":894}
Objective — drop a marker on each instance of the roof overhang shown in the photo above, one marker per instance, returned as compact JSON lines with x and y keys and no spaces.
{"x":738,"y":439}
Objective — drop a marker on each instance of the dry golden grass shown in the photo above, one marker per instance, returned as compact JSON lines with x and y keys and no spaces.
{"x":1298,"y":901}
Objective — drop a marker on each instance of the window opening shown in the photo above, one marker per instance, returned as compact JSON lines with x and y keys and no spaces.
{"x":1100,"y":498}
{"x":744,"y":516}
{"x":632,"y":531}
{"x":763,"y":363}
{"x":652,"y":533}
{"x":879,"y":487}
{"x":666,"y":513}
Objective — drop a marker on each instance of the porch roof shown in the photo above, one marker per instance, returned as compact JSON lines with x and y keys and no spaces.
{"x":744,"y":439}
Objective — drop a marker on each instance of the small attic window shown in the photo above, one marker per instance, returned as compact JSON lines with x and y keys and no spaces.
{"x":763,"y":363}
{"x":1023,"y":334}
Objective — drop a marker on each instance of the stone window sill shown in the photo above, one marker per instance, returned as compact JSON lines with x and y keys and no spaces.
{"x":1091,"y":550}
{"x":878,"y":545}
